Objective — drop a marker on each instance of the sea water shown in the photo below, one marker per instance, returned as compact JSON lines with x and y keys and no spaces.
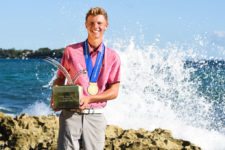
{"x":166,"y":88}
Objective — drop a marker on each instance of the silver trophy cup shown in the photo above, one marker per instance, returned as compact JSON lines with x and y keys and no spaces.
{"x":66,"y":96}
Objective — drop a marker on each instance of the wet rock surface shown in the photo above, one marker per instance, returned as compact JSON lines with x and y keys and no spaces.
{"x":40,"y":133}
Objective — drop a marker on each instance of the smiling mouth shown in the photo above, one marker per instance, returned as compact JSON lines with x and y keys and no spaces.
{"x":95,"y":31}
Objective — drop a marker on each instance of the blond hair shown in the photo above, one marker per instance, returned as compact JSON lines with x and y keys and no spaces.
{"x":97,"y":11}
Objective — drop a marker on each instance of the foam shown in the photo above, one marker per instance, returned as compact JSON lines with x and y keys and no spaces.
{"x":37,"y":109}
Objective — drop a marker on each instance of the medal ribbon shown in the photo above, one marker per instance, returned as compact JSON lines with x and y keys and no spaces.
{"x":93,"y":72}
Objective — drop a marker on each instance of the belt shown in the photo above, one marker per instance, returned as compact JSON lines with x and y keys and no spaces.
{"x":88,"y":111}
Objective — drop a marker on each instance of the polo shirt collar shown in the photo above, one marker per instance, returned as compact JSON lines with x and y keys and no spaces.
{"x":99,"y":49}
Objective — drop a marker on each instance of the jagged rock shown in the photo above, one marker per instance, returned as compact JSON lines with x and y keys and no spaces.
{"x":27,"y":132}
{"x":113,"y":132}
{"x":32,"y":132}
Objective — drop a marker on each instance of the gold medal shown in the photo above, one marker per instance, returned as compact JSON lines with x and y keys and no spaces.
{"x":92,"y":88}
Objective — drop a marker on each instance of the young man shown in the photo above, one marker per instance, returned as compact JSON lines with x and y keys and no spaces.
{"x":100,"y":84}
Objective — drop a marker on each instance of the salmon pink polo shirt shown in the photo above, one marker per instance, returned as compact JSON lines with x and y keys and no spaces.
{"x":73,"y":60}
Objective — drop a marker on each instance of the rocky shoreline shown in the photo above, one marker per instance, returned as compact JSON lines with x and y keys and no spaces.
{"x":40,"y":133}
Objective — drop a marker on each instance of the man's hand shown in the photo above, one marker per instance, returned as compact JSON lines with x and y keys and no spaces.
{"x":52,"y":105}
{"x":56,"y":82}
{"x":84,"y":102}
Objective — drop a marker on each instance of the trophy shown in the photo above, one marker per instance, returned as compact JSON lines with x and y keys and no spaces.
{"x":66,"y":96}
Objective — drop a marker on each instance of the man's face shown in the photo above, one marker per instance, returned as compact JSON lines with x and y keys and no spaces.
{"x":96,"y":26}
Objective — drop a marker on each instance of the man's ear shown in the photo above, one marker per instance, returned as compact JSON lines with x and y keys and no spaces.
{"x":106,"y":26}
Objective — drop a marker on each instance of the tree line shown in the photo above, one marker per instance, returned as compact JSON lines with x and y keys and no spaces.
{"x":28,"y":53}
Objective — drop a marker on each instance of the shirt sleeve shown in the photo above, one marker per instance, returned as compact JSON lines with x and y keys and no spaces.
{"x":114,"y":76}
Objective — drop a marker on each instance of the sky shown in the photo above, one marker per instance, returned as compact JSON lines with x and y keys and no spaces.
{"x":27,"y":24}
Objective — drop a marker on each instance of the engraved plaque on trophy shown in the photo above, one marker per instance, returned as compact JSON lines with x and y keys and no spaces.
{"x":66,"y":96}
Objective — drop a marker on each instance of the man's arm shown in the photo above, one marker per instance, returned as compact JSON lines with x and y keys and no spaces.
{"x":109,"y":94}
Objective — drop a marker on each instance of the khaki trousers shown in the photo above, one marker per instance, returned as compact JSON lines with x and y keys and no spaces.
{"x":81,"y":131}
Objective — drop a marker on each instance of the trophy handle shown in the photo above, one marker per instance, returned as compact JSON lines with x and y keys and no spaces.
{"x":77,"y":75}
{"x":61,"y":68}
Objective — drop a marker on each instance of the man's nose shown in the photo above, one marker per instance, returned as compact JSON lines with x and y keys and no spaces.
{"x":95,"y":25}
